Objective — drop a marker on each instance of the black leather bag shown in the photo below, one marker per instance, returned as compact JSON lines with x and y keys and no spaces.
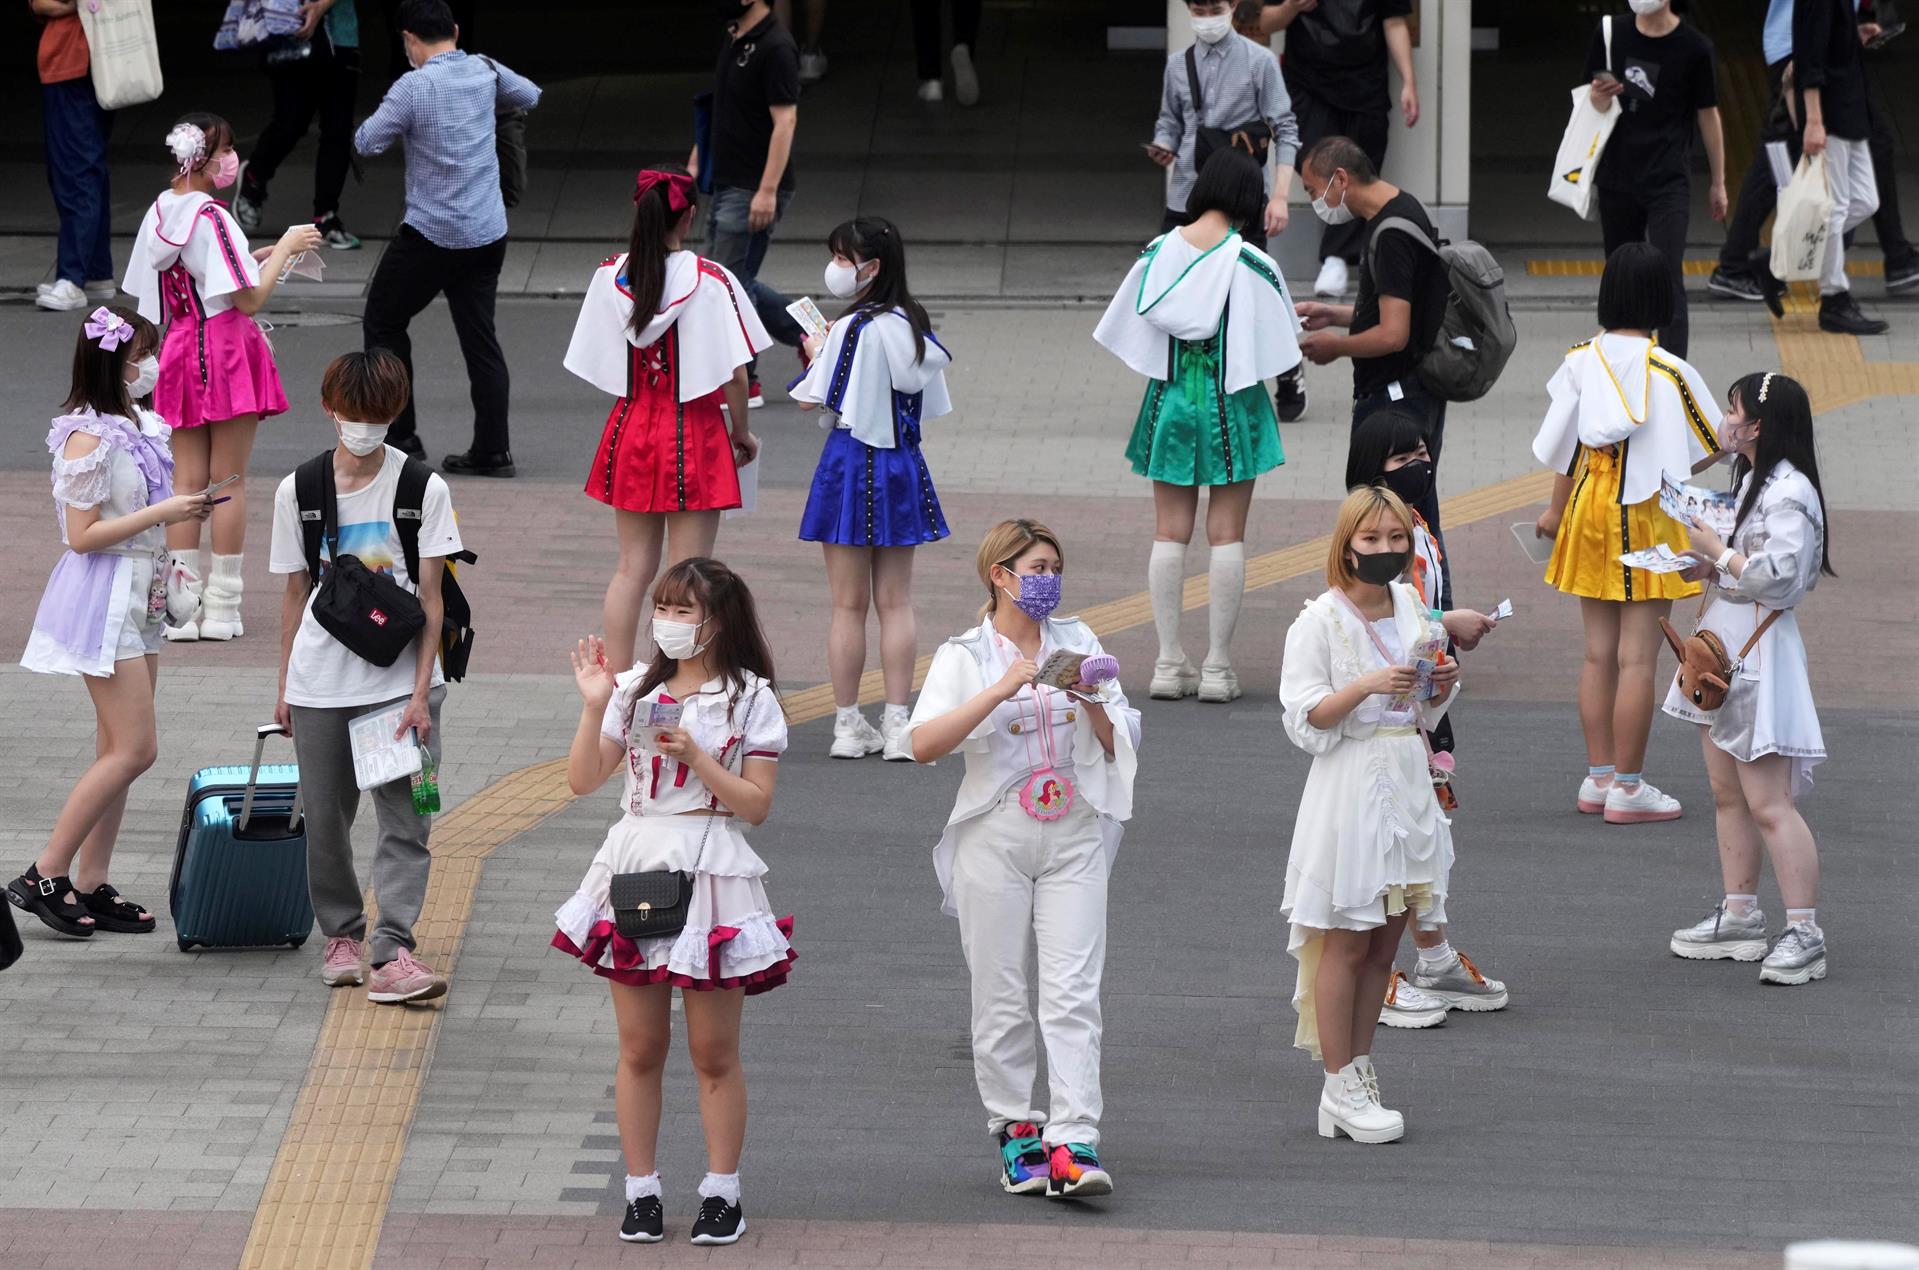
{"x":509,"y":145}
{"x":653,"y":905}
{"x":1253,"y":137}
{"x":372,"y":615}
{"x":10,"y":945}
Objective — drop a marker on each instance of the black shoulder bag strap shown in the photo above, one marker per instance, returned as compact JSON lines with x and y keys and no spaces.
{"x":1192,"y":85}
{"x":313,"y":493}
{"x":409,"y":503}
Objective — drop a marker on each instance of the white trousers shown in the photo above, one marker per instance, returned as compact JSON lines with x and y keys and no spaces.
{"x":1855,"y":197}
{"x":1018,"y":880}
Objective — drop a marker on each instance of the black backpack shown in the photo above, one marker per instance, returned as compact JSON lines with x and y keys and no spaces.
{"x":319,"y":516}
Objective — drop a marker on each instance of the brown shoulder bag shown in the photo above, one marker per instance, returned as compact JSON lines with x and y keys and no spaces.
{"x":1705,"y":672}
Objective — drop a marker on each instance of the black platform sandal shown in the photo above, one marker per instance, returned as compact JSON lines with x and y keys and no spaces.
{"x":42,"y":897}
{"x":110,"y":912}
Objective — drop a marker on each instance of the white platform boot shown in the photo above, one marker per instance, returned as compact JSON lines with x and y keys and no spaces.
{"x":1349,"y":1105}
{"x":220,"y":605}
{"x":184,"y":586}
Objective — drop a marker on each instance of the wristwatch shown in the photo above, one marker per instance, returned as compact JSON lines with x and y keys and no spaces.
{"x":1725,"y":560}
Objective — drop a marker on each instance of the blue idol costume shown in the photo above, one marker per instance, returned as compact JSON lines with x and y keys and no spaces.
{"x":872,"y":487}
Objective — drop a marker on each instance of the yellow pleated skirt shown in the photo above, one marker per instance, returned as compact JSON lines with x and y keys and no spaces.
{"x":1596,"y":531}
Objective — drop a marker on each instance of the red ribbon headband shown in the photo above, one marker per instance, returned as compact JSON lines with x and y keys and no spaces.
{"x":679,"y":188}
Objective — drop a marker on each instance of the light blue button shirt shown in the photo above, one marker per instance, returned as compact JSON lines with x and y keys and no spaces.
{"x":1776,"y":39}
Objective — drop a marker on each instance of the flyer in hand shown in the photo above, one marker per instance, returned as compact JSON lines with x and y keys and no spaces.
{"x":1714,"y":509}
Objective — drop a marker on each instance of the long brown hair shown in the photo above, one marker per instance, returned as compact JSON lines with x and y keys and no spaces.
{"x":653,"y":220}
{"x":738,"y":646}
{"x":99,"y":375}
{"x":1005,"y":543}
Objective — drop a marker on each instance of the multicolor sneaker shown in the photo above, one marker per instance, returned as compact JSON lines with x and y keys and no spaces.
{"x":1022,"y":1158}
{"x":1459,"y":985}
{"x":405,"y":978}
{"x":333,"y":233}
{"x":1074,"y":1173}
{"x":340,"y":967}
{"x":1407,"y":1006}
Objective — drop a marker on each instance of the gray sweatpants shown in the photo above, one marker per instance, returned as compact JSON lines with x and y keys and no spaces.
{"x":331,"y":797}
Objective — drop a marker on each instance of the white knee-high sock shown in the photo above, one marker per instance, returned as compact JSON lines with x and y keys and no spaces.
{"x":1226,"y":577}
{"x":1166,"y":584}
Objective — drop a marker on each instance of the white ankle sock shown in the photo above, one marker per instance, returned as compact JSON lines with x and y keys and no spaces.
{"x":1166,"y":584}
{"x":893,"y":712}
{"x":1439,"y":956}
{"x":639,"y":1186}
{"x":1334,"y":1080}
{"x":724,"y":1186}
{"x":1805,"y":916}
{"x":1226,"y":579}
{"x":847,"y":715}
{"x":1741,"y":905}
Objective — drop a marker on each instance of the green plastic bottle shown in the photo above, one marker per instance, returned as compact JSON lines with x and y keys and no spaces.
{"x":426,"y":786}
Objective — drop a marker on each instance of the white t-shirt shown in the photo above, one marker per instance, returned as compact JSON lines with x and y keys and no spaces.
{"x":322,"y":671}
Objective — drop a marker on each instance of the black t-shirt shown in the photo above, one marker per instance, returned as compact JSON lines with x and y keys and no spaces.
{"x":758,"y":70}
{"x":1409,"y":272}
{"x":1825,"y":53}
{"x":1668,"y":79}
{"x":1337,"y":52}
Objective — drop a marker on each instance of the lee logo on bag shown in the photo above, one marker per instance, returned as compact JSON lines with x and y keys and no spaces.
{"x":378,"y":618}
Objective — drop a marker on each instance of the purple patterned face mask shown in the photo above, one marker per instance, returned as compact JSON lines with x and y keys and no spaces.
{"x":1038,"y":595}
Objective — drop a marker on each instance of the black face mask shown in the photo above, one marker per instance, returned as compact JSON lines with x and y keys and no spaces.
{"x":1412,"y":482}
{"x":1378,"y":567}
{"x":730,"y":11}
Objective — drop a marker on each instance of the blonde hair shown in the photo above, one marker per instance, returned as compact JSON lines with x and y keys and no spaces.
{"x":1362,"y":504}
{"x":1004,"y":543}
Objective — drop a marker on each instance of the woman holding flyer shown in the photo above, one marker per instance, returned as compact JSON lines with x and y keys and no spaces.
{"x":1763,"y":741}
{"x":1028,"y":849}
{"x":879,"y":374}
{"x":1625,"y":415}
{"x":670,"y":334}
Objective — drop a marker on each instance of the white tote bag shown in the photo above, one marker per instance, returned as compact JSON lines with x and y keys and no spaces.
{"x":124,"y":51}
{"x":1802,"y":224}
{"x":1584,"y":142}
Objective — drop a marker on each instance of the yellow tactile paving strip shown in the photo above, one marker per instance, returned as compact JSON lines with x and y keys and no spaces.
{"x":1694,"y":268}
{"x":327,"y":1193}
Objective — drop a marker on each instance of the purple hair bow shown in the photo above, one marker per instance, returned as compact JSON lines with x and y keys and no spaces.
{"x":107,"y":329}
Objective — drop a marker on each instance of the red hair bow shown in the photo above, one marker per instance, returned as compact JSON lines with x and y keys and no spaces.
{"x":679,"y":188}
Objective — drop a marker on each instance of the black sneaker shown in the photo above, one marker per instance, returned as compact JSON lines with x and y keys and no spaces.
{"x":1839,"y":313}
{"x":719,"y":1222}
{"x":1734,"y":286}
{"x":471,"y":464}
{"x":1289,"y":395}
{"x":333,"y":232}
{"x":644,"y":1222}
{"x":1903,"y":276}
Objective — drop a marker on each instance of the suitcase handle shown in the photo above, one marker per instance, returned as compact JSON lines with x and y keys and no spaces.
{"x":261,"y":734}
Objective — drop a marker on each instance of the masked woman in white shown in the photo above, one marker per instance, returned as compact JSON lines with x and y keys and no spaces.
{"x":1763,"y":741}
{"x":698,"y":732}
{"x":1027,"y":853}
{"x":1624,"y":413}
{"x":669,"y":334}
{"x":1370,"y":844}
{"x":1207,"y":319}
{"x":879,"y":376}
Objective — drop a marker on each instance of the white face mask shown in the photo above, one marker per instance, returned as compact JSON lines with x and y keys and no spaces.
{"x":146,"y":373}
{"x":1214,"y":29}
{"x":1645,"y":7}
{"x":361,"y":438}
{"x":678,"y":640}
{"x":1332,"y":213}
{"x":843,"y":280}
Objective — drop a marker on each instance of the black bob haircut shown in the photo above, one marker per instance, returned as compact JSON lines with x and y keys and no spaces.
{"x":428,"y":20}
{"x":1230,"y":183}
{"x":1397,"y":429}
{"x":1635,"y":292}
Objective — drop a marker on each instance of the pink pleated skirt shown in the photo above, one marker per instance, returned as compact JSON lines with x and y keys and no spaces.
{"x":218,"y":369}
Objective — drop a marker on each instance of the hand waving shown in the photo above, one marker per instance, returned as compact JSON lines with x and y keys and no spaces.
{"x":591,"y":674}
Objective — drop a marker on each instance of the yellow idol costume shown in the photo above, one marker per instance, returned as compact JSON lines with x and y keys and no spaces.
{"x":1623,"y":413}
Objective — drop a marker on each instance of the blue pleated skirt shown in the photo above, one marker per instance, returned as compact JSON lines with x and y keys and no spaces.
{"x":867,"y":497}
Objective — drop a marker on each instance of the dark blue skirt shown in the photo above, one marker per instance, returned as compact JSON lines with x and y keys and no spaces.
{"x":863,"y":497}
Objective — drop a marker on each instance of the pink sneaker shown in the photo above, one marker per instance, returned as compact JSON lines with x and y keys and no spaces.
{"x":405,"y":978}
{"x":341,"y":966}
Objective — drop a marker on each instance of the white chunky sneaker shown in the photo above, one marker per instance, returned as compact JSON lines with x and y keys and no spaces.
{"x":1723,"y":935}
{"x":898,"y":742}
{"x":855,"y":738}
{"x":1407,"y":1006}
{"x":1592,"y":796}
{"x":965,"y":78}
{"x":1218,"y":684}
{"x":1173,"y":680}
{"x":1798,"y":957}
{"x":931,"y":91}
{"x":1459,"y":986}
{"x":1642,"y":804}
{"x":1332,"y":277}
{"x":1347,"y":1105}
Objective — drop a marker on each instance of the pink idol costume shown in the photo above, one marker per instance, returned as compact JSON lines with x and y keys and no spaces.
{"x":666,"y":446}
{"x":672,"y":821}
{"x":188,"y":259}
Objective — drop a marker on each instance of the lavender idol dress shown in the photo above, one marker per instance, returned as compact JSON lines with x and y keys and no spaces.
{"x":102,"y":607}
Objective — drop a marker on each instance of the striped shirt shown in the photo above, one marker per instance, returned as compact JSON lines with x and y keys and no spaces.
{"x":444,"y":113}
{"x":1239,"y":80}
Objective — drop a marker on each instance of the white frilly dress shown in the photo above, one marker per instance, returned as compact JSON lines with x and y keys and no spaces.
{"x":103,"y":607}
{"x":1370,"y":837}
{"x":731,"y":938}
{"x":1769,"y":707}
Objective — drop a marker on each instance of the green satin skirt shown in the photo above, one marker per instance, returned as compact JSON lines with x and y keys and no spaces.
{"x":1191,"y":431}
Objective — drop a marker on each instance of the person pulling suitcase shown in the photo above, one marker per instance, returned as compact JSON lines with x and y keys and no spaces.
{"x":365,"y":603}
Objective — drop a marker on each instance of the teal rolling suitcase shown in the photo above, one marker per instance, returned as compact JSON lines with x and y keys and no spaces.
{"x":240,"y":867}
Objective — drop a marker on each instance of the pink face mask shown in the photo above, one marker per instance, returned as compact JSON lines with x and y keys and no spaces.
{"x":226,"y":169}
